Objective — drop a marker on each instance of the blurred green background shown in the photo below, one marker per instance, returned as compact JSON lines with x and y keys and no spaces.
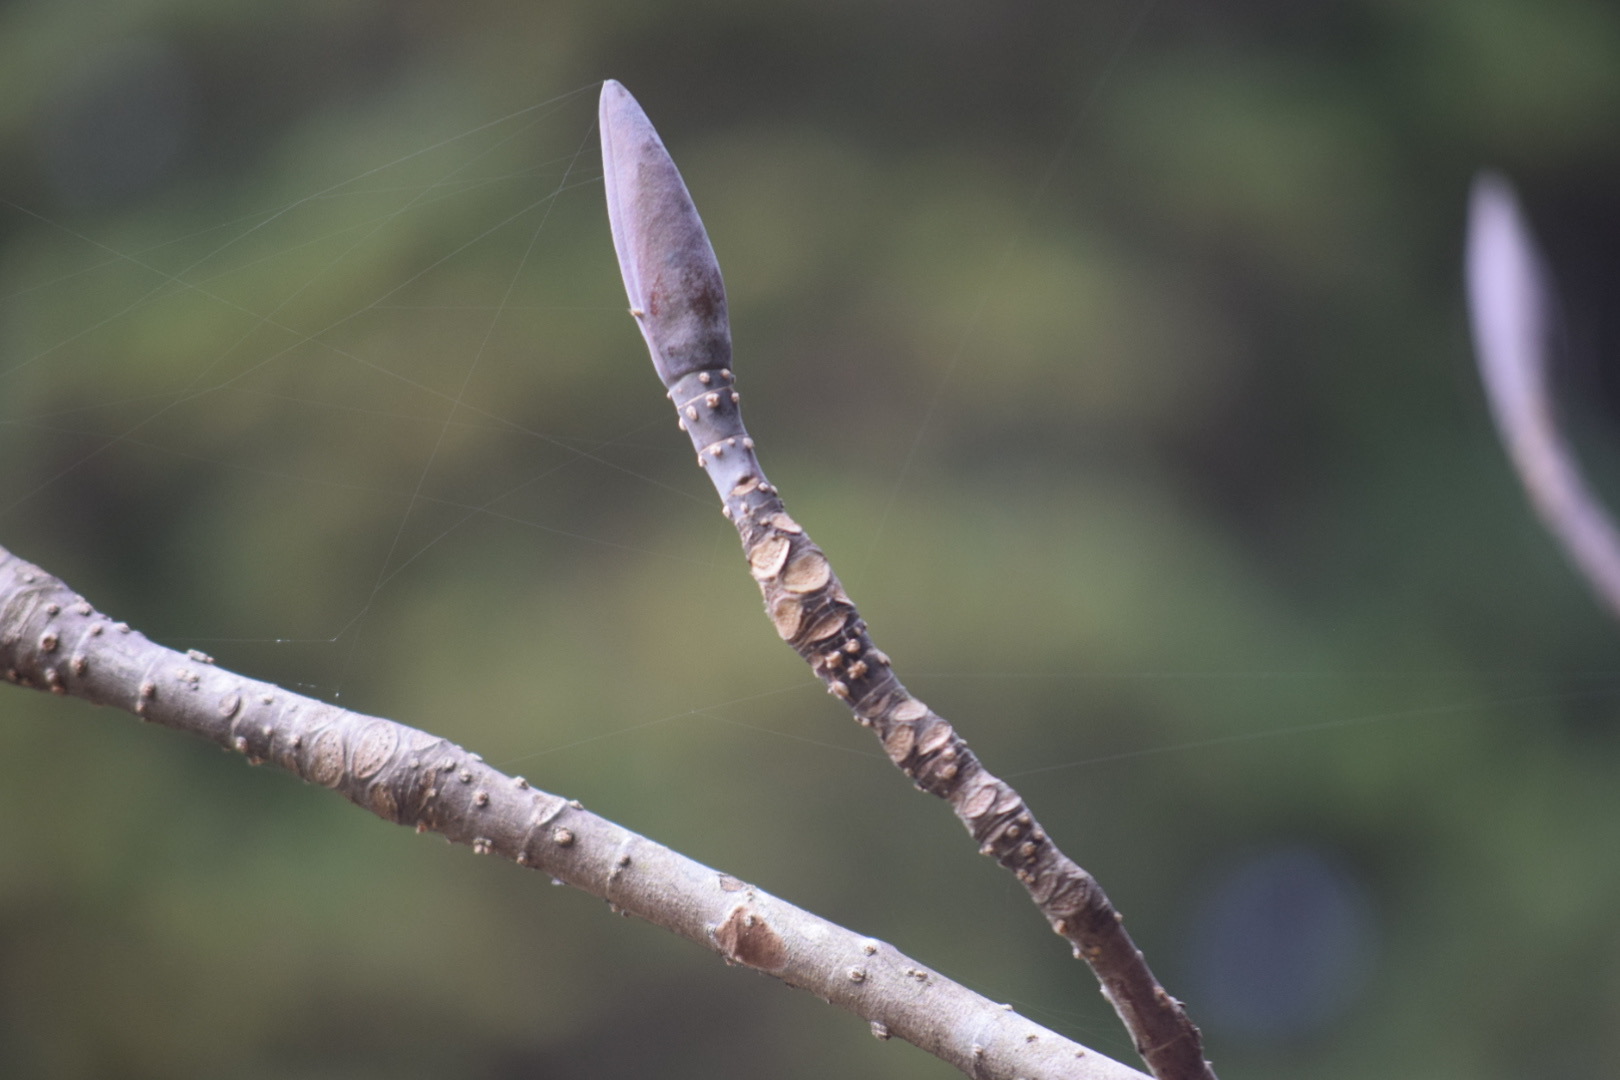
{"x":1114,"y":351}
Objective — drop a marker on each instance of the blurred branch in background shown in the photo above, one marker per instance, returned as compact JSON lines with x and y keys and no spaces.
{"x":1512,"y":304}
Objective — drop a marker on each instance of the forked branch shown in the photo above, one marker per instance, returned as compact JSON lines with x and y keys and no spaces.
{"x":679,"y":301}
{"x":52,"y":639}
{"x":1509,"y":299}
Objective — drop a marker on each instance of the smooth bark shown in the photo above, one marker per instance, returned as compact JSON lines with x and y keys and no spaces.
{"x":53,"y":639}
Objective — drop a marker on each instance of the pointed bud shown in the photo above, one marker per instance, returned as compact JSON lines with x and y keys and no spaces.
{"x":670,"y":272}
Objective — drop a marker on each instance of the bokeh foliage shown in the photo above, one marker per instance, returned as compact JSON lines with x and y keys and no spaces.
{"x":1114,"y":352}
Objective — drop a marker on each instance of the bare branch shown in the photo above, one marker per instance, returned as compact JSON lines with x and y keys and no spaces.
{"x":1508,"y":300}
{"x":52,"y":639}
{"x":676,"y":295}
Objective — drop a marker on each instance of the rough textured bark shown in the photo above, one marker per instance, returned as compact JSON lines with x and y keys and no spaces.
{"x":1508,"y":301}
{"x":678,"y":299}
{"x":53,"y":639}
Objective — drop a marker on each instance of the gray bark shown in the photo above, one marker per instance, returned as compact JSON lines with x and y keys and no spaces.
{"x":52,"y":639}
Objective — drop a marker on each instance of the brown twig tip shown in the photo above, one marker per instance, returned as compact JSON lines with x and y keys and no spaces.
{"x":674,"y":286}
{"x":670,"y":273}
{"x":1510,"y":303}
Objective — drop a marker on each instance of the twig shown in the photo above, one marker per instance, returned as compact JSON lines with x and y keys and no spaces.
{"x":1508,"y":301}
{"x":678,"y":298}
{"x":52,"y":639}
